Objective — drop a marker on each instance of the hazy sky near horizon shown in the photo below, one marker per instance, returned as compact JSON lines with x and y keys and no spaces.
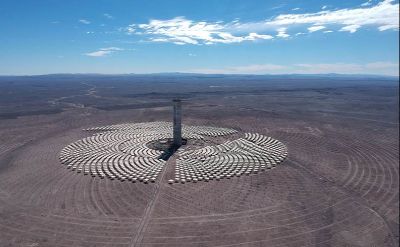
{"x":208,"y":36}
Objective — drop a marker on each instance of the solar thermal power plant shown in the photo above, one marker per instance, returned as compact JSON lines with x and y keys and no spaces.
{"x":210,"y":123}
{"x":122,"y":152}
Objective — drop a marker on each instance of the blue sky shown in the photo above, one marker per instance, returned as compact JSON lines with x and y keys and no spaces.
{"x":208,"y":36}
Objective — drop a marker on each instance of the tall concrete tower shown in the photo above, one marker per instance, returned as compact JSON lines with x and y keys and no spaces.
{"x":177,"y":123}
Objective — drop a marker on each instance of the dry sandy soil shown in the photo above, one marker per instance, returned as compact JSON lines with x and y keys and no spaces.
{"x":339,"y":185}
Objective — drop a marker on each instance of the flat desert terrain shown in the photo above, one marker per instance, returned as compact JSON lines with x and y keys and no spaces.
{"x":338,"y":186}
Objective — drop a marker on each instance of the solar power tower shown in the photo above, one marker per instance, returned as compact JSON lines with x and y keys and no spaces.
{"x":177,"y":122}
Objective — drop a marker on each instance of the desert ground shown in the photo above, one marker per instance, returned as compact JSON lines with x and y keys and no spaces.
{"x":338,"y":186}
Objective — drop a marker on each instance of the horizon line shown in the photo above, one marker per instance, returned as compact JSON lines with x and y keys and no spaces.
{"x":205,"y":74}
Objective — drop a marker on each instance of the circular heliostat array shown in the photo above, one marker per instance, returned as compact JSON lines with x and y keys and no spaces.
{"x":122,"y":152}
{"x":243,"y":156}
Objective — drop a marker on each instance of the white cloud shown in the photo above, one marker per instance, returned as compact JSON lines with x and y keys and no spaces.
{"x":182,"y":31}
{"x":328,"y":31}
{"x":387,"y":27}
{"x":246,"y":69}
{"x":376,"y":68}
{"x":324,"y":7}
{"x":282,"y":32}
{"x":324,"y":68}
{"x":108,"y":16}
{"x":383,"y":65}
{"x":159,"y":39}
{"x":255,"y":36}
{"x":295,"y":9}
{"x":103,"y":52}
{"x":350,"y":28}
{"x":98,"y":53}
{"x":130,"y":29}
{"x":315,"y":28}
{"x":112,"y":49}
{"x":278,"y":7}
{"x":179,"y":30}
{"x":368,"y":3}
{"x":384,"y":13}
{"x":83,"y":21}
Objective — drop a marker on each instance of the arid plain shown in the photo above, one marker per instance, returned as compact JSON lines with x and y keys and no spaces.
{"x":338,"y":186}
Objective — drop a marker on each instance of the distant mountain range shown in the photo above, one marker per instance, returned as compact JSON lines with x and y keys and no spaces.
{"x":177,"y":74}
